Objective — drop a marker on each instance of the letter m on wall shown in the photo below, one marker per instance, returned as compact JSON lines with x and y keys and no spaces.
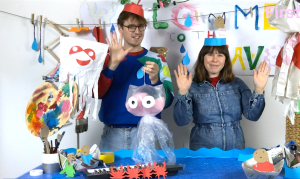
{"x":246,"y":14}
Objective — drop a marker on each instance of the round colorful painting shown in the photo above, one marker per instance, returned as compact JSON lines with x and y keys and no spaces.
{"x":50,"y":106}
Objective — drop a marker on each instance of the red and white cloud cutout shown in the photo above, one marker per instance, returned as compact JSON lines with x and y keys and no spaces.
{"x":81,"y":59}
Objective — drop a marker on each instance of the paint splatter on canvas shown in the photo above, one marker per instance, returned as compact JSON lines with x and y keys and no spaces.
{"x":49,"y":106}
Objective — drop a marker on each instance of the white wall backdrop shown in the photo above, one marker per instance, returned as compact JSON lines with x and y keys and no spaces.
{"x":21,"y":74}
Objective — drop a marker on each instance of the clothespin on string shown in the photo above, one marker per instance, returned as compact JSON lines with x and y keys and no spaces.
{"x":251,"y":11}
{"x":78,"y":28}
{"x":100,"y":23}
{"x":32,"y":18}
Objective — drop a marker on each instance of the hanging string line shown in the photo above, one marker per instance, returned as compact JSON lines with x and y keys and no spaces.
{"x":116,"y":23}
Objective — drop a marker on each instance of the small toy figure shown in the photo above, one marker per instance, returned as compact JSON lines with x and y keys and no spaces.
{"x":69,"y":169}
{"x":85,"y":154}
{"x":262,"y":158}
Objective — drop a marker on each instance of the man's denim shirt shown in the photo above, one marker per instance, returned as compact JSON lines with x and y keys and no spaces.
{"x":222,"y":104}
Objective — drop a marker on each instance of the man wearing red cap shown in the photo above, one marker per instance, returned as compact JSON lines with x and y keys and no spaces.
{"x":120,"y":70}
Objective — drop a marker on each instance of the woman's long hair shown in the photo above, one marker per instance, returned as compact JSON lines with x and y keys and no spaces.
{"x":201,"y":73}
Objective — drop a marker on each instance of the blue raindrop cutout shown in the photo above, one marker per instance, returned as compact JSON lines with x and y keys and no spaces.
{"x":186,"y":59}
{"x":182,"y":49}
{"x":140,"y":73}
{"x":112,"y":29}
{"x":188,"y":21}
{"x":34,"y":45}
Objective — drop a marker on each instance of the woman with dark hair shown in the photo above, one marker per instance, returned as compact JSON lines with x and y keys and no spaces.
{"x":216,"y":99}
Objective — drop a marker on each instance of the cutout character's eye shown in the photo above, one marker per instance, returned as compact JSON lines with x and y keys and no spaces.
{"x":132,"y":102}
{"x":148,"y":101}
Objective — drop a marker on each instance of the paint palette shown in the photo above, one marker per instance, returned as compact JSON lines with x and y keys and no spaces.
{"x":50,"y":106}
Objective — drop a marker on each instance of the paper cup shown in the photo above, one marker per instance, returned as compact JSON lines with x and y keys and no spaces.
{"x":51,"y":163}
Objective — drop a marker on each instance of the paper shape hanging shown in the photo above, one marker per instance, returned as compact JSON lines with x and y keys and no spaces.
{"x":82,"y":62}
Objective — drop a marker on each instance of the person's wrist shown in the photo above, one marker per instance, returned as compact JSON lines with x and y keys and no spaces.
{"x":183,"y":92}
{"x":259,"y":90}
{"x":112,"y":65}
{"x":154,"y":81}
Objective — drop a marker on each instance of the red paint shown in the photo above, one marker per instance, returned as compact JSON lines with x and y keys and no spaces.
{"x":279,"y":59}
{"x":175,"y":11}
{"x":79,"y":49}
{"x":264,"y":167}
{"x":35,"y":98}
{"x":83,"y":63}
{"x":296,"y":56}
{"x":162,"y":58}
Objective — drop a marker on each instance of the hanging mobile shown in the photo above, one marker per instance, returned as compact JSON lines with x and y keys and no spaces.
{"x":34,"y":44}
{"x":40,"y":57}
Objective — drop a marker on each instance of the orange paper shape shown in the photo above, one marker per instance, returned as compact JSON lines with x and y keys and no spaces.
{"x":76,"y":29}
{"x":49,"y":106}
{"x":134,"y":8}
{"x":160,"y":170}
{"x":146,"y":171}
{"x":118,"y":174}
{"x":133,"y":172}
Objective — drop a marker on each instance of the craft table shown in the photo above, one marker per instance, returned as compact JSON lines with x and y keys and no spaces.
{"x":204,"y":168}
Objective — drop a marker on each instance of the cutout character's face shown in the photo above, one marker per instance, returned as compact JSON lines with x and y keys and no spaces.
{"x":85,"y":150}
{"x":261,"y":156}
{"x":71,"y":157}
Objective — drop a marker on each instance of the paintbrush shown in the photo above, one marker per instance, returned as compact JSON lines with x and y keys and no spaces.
{"x":44,"y":133}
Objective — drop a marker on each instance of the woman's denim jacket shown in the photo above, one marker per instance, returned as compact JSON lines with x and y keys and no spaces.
{"x":217,"y":112}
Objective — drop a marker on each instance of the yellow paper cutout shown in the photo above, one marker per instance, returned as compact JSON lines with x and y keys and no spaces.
{"x":238,"y":49}
{"x":268,"y":26}
{"x":166,"y":71}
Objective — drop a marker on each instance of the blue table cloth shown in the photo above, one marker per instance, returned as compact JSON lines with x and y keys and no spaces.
{"x":204,"y":168}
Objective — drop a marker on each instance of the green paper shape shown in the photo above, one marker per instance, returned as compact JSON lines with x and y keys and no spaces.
{"x":158,"y":25}
{"x":69,"y":170}
{"x":252,"y":65}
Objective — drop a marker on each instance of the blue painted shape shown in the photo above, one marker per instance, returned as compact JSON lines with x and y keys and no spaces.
{"x":291,"y":172}
{"x":123,"y":153}
{"x":34,"y":45}
{"x":244,"y":158}
{"x":40,"y":59}
{"x":140,"y":73}
{"x":93,"y":34}
{"x":182,"y":49}
{"x":187,"y":153}
{"x":181,"y":153}
{"x":70,"y":150}
{"x":112,"y":29}
{"x":188,"y":21}
{"x":186,"y":59}
{"x":246,"y":151}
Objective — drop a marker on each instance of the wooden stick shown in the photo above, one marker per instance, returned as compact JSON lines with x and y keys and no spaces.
{"x":60,"y":26}
{"x":57,"y":29}
{"x":32,"y":18}
{"x":56,"y":58}
{"x":100,"y":23}
{"x":56,"y":40}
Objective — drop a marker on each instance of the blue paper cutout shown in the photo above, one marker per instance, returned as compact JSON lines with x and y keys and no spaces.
{"x":40,"y":58}
{"x":186,"y":59}
{"x":291,"y":172}
{"x":93,"y":34}
{"x":187,"y":153}
{"x":34,"y":45}
{"x":140,"y":73}
{"x":70,"y":150}
{"x":246,"y":14}
{"x":112,"y":29}
{"x":188,"y":21}
{"x":182,"y":49}
{"x":244,"y":158}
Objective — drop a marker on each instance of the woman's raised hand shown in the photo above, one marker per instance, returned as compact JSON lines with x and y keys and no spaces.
{"x":260,"y":77}
{"x":184,"y":81}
